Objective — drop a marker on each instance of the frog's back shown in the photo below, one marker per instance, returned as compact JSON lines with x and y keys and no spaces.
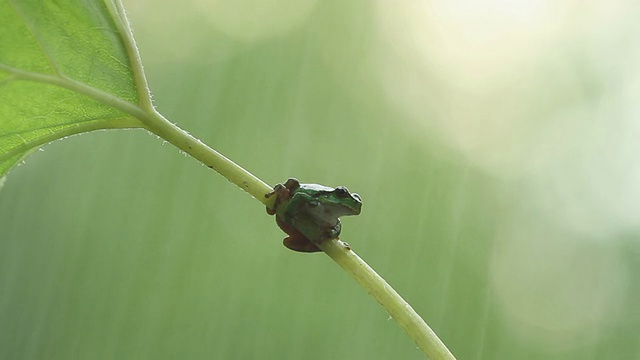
{"x":315,"y":188}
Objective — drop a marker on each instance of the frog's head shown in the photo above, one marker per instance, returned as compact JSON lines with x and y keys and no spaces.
{"x":341,"y":201}
{"x":330,"y":204}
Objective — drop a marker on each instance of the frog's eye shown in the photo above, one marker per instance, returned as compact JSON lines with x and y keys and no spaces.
{"x":341,"y":192}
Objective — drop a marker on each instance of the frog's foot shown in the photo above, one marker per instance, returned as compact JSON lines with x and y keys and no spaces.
{"x":300,"y":244}
{"x":279,"y":191}
{"x":283,"y":193}
{"x":334,"y":232}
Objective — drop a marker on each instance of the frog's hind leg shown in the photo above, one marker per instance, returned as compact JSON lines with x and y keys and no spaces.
{"x":300,"y":244}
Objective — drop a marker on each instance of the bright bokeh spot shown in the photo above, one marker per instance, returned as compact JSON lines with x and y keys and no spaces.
{"x":503,"y":83}
{"x":540,"y":96}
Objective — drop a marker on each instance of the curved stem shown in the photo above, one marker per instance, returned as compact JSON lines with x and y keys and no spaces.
{"x":159,"y":125}
{"x":396,"y":306}
{"x":375,"y":285}
{"x":248,"y":182}
{"x":139,"y":77}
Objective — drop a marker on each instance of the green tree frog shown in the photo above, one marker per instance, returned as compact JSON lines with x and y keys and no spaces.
{"x":309,"y":213}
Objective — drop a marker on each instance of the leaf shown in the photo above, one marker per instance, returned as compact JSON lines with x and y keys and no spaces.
{"x":65,"y":67}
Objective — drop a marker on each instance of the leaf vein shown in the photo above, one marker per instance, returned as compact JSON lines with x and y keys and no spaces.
{"x":34,"y":33}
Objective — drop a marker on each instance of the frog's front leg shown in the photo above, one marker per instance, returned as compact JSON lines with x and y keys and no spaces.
{"x":334,"y":231}
{"x":299,"y":242}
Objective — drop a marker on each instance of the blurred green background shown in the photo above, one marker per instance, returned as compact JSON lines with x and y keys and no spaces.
{"x":495,"y":145}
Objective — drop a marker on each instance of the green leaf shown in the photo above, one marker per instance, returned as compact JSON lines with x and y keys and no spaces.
{"x":66,"y":67}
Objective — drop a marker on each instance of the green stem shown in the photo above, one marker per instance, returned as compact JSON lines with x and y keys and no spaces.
{"x":375,"y":285}
{"x":159,"y":125}
{"x":124,"y":27}
{"x":184,"y":141}
{"x":396,"y":306}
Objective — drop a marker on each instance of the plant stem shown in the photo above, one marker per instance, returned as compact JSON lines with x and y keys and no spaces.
{"x":375,"y":285}
{"x":159,"y":125}
{"x":153,"y":121}
{"x":396,"y":306}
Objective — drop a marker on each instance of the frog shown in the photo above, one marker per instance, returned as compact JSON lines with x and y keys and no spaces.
{"x":309,"y":213}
